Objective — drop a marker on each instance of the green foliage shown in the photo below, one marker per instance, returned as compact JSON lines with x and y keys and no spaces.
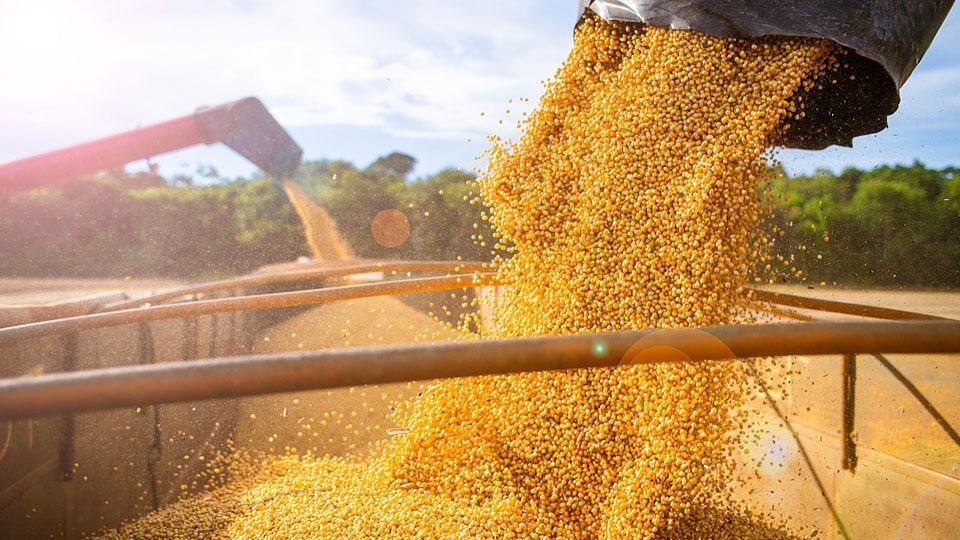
{"x":116,"y":225}
{"x":446,"y":232}
{"x":264,"y":224}
{"x":890,"y":226}
{"x":437,"y":207}
{"x":354,"y":197}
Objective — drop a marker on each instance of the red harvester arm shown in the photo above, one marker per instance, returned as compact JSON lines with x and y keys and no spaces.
{"x":245,"y":126}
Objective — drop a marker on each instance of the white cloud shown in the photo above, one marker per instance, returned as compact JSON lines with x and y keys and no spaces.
{"x":930,"y":99}
{"x":418,"y":68}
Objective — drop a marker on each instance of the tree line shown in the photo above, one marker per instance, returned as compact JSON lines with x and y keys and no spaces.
{"x":889,"y":226}
{"x":116,"y":224}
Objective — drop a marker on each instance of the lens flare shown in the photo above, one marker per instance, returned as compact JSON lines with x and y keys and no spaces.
{"x":390,"y":228}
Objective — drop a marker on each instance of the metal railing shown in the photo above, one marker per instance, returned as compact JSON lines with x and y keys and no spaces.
{"x":250,"y":375}
{"x":129,"y":386}
{"x":229,"y":377}
{"x":12,"y":334}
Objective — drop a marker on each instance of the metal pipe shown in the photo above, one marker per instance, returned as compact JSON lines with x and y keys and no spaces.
{"x":846,"y":308}
{"x":783,"y":299}
{"x":885,"y":40}
{"x":124,"y":313}
{"x":239,"y":303}
{"x":255,"y":280}
{"x":849,"y":458}
{"x":27,"y":313}
{"x":139,"y":385}
{"x":784,"y":313}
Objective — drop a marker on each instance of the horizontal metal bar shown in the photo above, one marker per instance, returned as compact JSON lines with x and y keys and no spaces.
{"x":907,"y":383}
{"x":120,"y":314}
{"x":239,"y":303}
{"x":782,"y":312}
{"x":140,"y":385}
{"x":27,"y":313}
{"x":255,"y":280}
{"x":845,"y":308}
{"x":782,"y":299}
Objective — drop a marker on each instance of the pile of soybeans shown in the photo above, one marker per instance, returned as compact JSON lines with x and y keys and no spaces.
{"x":631,"y":200}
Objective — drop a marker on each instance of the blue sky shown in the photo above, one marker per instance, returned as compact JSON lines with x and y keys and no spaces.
{"x":349,"y":80}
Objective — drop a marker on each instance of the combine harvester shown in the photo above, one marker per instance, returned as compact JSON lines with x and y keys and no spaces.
{"x":103,"y":398}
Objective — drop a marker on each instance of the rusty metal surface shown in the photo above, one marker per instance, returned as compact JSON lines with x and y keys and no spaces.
{"x":239,"y":303}
{"x":68,"y":440}
{"x":261,"y":374}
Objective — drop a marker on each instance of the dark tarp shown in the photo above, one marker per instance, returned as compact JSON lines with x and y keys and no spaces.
{"x":887,"y":37}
